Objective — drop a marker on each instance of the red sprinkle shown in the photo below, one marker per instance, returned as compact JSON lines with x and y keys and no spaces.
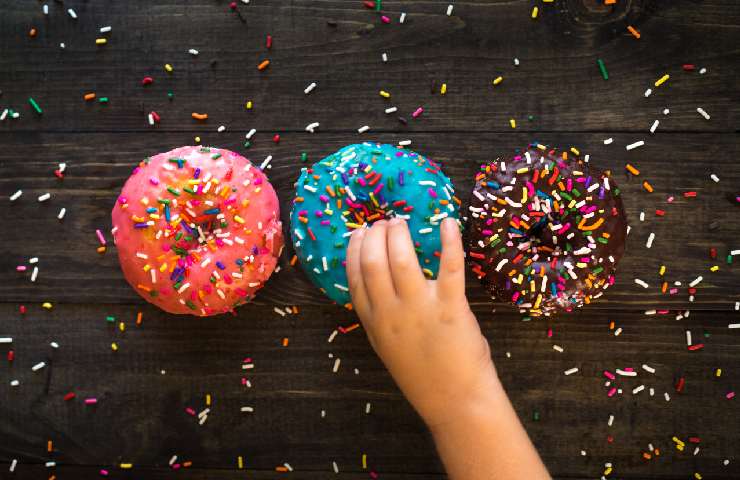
{"x":680,"y":384}
{"x":268,"y":42}
{"x":698,"y":346}
{"x":147,"y":81}
{"x":276,"y":138}
{"x":713,"y":252}
{"x":660,"y":213}
{"x":232,"y":5}
{"x":369,"y":4}
{"x":694,"y":440}
{"x":689,"y":194}
{"x":22,"y":309}
{"x":155,"y":116}
{"x":689,"y":67}
{"x":69,"y":396}
{"x":11,"y":355}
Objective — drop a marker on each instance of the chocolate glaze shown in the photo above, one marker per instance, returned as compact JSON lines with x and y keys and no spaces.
{"x":546,"y":230}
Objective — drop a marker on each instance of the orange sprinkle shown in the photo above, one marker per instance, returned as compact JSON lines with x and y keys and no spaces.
{"x":100,"y":249}
{"x":611,"y":325}
{"x":263,"y":65}
{"x":199,"y":116}
{"x":593,"y":226}
{"x":32,"y":32}
{"x":633,"y":31}
{"x":285,"y":342}
{"x":610,"y":2}
{"x":647,"y":187}
{"x":49,"y":446}
{"x":632,"y":169}
{"x":293,"y":260}
{"x":281,"y":469}
{"x":138,"y":318}
{"x":187,"y":464}
{"x":295,"y":310}
{"x":351,"y":327}
{"x":89,"y":96}
{"x":646,"y":456}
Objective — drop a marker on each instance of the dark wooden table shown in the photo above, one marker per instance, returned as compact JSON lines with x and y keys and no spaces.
{"x":168,"y":365}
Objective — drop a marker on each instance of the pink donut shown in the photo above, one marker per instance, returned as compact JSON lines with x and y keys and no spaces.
{"x":197,"y":230}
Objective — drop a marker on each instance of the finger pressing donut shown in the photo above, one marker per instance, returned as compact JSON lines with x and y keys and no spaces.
{"x":407,"y":277}
{"x":374,"y":263}
{"x":357,"y":288}
{"x":451,"y":278}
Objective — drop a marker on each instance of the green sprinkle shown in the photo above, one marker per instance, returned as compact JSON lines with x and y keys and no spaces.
{"x":170,"y":95}
{"x":536,"y":416}
{"x":247,"y":144}
{"x":163,"y":200}
{"x":189,"y":190}
{"x":378,"y":5}
{"x":304,"y":156}
{"x":602,"y":240}
{"x":215,"y":156}
{"x":110,"y":318}
{"x":103,"y":99}
{"x":597,"y":270}
{"x":729,"y":259}
{"x":35,"y":105}
{"x":190,"y":305}
{"x":173,"y":191}
{"x":178,"y":236}
{"x":530,"y":117}
{"x":602,"y":68}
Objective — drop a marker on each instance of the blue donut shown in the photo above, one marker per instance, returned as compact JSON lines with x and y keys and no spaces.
{"x":360,"y":184}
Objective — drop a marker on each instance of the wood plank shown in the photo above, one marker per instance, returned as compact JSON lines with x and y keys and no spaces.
{"x":140,"y":416}
{"x":558,"y":81}
{"x":71,"y":270}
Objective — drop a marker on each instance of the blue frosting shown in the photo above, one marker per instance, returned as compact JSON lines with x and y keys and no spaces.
{"x":359,"y":184}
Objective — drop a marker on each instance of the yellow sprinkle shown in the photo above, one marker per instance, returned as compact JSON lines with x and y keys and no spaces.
{"x":541,"y":147}
{"x":197,"y":139}
{"x":661,"y":272}
{"x":718,"y":373}
{"x":535,"y":11}
{"x":208,"y":399}
{"x":498,"y":80}
{"x":364,"y":461}
{"x":47,"y":305}
{"x":126,"y":466}
{"x":522,"y":170}
{"x":714,"y":268}
{"x":238,"y":219}
{"x":512,"y":122}
{"x":122,"y":326}
{"x":443,"y":89}
{"x":608,"y":471}
{"x":101,"y":41}
{"x":697,"y":476}
{"x":168,"y":68}
{"x":537,"y":305}
{"x":114,"y":347}
{"x":662,"y":80}
{"x":384,"y":94}
{"x":575,"y":151}
{"x":240,"y":461}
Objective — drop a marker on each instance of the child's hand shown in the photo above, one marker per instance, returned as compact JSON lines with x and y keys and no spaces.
{"x":423,"y":330}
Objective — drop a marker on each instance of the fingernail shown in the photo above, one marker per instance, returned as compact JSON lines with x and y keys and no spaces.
{"x":395,"y":221}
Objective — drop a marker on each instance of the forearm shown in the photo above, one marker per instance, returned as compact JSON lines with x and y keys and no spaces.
{"x":484,"y":439}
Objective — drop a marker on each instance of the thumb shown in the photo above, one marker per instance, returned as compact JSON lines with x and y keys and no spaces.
{"x":451,"y":277}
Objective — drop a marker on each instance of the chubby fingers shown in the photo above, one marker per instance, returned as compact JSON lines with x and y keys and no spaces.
{"x":451,"y":277}
{"x":376,"y":272}
{"x":357,"y":290}
{"x":405,"y":271}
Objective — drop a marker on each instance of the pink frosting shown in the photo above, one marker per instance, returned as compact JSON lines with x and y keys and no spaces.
{"x":202,"y":272}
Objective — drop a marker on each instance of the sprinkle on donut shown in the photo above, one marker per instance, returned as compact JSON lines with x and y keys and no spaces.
{"x":359,"y":185}
{"x":546,"y":230}
{"x":197,"y":230}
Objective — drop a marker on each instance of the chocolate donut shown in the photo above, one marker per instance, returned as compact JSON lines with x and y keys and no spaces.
{"x":546,"y":230}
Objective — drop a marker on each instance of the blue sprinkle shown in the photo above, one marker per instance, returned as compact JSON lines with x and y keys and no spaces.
{"x":141,"y":225}
{"x":151,"y":210}
{"x":220,"y":265}
{"x":212,"y":211}
{"x":239,"y":262}
{"x":167,"y":212}
{"x":494,"y":185}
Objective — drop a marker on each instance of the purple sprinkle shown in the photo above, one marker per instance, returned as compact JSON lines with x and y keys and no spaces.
{"x":400,"y":177}
{"x":220,"y":265}
{"x":141,"y":225}
{"x":197,"y":173}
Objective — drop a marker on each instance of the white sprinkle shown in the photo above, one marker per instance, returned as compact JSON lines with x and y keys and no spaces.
{"x":696,"y":451}
{"x":654,"y":126}
{"x":666,"y":111}
{"x":403,"y":17}
{"x":726,"y":462}
{"x":637,"y":390}
{"x":250,"y":133}
{"x":557,"y":348}
{"x":449,"y":10}
{"x":50,"y":464}
{"x":363,"y":129}
{"x":702,"y":71}
{"x":651,"y":312}
{"x":44,"y":197}
{"x":38,"y":366}
{"x":309,"y":88}
{"x":611,"y":420}
{"x":650,"y":239}
{"x":6,"y":339}
{"x":637,"y":144}
{"x":150,"y":119}
{"x":46,"y":9}
{"x":618,"y":332}
{"x":404,"y":143}
{"x":696,"y":281}
{"x":391,"y":109}
{"x":34,"y":274}
{"x":105,"y":29}
{"x":335,"y":369}
{"x":642,"y":216}
{"x":703,"y":113}
{"x":279,"y":311}
{"x":4,"y":114}
{"x":384,"y":57}
{"x":33,"y":260}
{"x":247,"y":409}
{"x":14,"y":463}
{"x":367,"y":408}
{"x":61,"y":214}
{"x":608,"y":141}
{"x":688,"y":337}
{"x":425,"y":230}
{"x":266,"y":162}
{"x":193,"y":52}
{"x":516,"y":62}
{"x":62,"y":45}
{"x":54,"y":345}
{"x":335,"y":467}
{"x":184,"y":287}
{"x":641,"y":283}
{"x":508,"y":354}
{"x":571,"y":371}
{"x":71,"y":13}
{"x":626,"y":373}
{"x":648,"y":92}
{"x":332,"y":336}
{"x":14,"y":383}
{"x":16,"y":195}
{"x":311,"y":126}
{"x":648,"y":368}
{"x":501,"y":264}
{"x":714,"y":178}
{"x":667,"y":397}
{"x":583,"y":453}
{"x":222,"y":128}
